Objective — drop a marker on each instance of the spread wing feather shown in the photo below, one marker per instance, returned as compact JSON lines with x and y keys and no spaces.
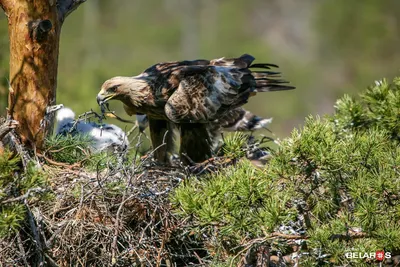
{"x":206,"y":92}
{"x":199,"y":91}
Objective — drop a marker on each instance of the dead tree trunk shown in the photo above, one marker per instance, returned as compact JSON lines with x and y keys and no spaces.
{"x":34,"y":30}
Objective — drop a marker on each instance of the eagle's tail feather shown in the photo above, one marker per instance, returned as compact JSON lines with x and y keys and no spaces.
{"x":271,"y":87}
{"x":263,"y":65}
{"x":261,"y":74}
{"x":267,"y":81}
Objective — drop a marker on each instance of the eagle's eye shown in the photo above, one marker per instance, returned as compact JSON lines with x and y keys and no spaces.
{"x":113,"y":89}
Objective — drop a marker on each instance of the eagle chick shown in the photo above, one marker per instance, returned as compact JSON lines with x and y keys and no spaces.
{"x":105,"y":137}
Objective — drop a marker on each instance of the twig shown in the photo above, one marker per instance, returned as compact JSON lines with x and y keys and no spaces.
{"x":348,"y":236}
{"x":160,"y":251}
{"x":21,"y":249}
{"x":84,"y":117}
{"x":6,"y":126}
{"x":55,"y":234}
{"x":79,"y":173}
{"x":20,"y":149}
{"x":60,"y":164}
{"x":30,"y":191}
{"x":116,"y":230}
{"x":189,"y":159}
{"x":139,"y":142}
{"x":81,"y":198}
{"x":251,"y":243}
{"x":154,"y":150}
{"x":117,"y":218}
{"x":286,"y":236}
{"x":131,"y":130}
{"x":36,"y":236}
{"x":50,"y":260}
{"x":198,"y":258}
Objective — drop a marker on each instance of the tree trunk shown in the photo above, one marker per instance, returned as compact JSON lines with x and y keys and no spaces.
{"x":34,"y":30}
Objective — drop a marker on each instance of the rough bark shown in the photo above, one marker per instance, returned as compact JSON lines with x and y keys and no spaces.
{"x":34,"y":31}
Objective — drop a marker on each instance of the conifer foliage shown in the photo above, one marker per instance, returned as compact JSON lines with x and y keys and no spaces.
{"x":331,"y":188}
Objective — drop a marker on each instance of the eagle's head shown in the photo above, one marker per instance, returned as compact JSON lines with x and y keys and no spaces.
{"x":133,"y":91}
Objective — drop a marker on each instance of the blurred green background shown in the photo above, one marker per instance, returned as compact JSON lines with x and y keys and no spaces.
{"x":324,"y":47}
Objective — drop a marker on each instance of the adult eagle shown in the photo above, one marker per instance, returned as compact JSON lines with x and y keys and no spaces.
{"x":190,"y":94}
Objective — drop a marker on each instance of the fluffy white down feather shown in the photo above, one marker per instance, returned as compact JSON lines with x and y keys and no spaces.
{"x":105,"y":137}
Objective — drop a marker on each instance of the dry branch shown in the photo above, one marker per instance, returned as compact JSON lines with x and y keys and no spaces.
{"x":36,"y":236}
{"x":36,"y":190}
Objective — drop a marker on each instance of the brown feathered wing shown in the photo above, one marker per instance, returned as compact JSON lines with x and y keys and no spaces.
{"x":209,"y":91}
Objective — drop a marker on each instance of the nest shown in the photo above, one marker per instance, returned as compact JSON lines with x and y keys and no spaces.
{"x":121,"y":216}
{"x":122,"y":219}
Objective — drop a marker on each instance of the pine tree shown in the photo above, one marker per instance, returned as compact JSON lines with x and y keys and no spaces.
{"x":332,"y":187}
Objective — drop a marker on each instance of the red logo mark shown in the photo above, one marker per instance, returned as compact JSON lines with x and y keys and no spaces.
{"x":380,"y":255}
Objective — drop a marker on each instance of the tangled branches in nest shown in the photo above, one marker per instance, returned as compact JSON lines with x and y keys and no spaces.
{"x":121,"y":216}
{"x":105,"y":209}
{"x":120,"y":219}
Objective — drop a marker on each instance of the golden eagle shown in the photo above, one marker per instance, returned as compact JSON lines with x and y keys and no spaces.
{"x":190,"y":94}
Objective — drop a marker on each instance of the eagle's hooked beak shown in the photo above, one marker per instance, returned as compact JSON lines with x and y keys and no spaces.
{"x":99,"y":100}
{"x":103,"y":97}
